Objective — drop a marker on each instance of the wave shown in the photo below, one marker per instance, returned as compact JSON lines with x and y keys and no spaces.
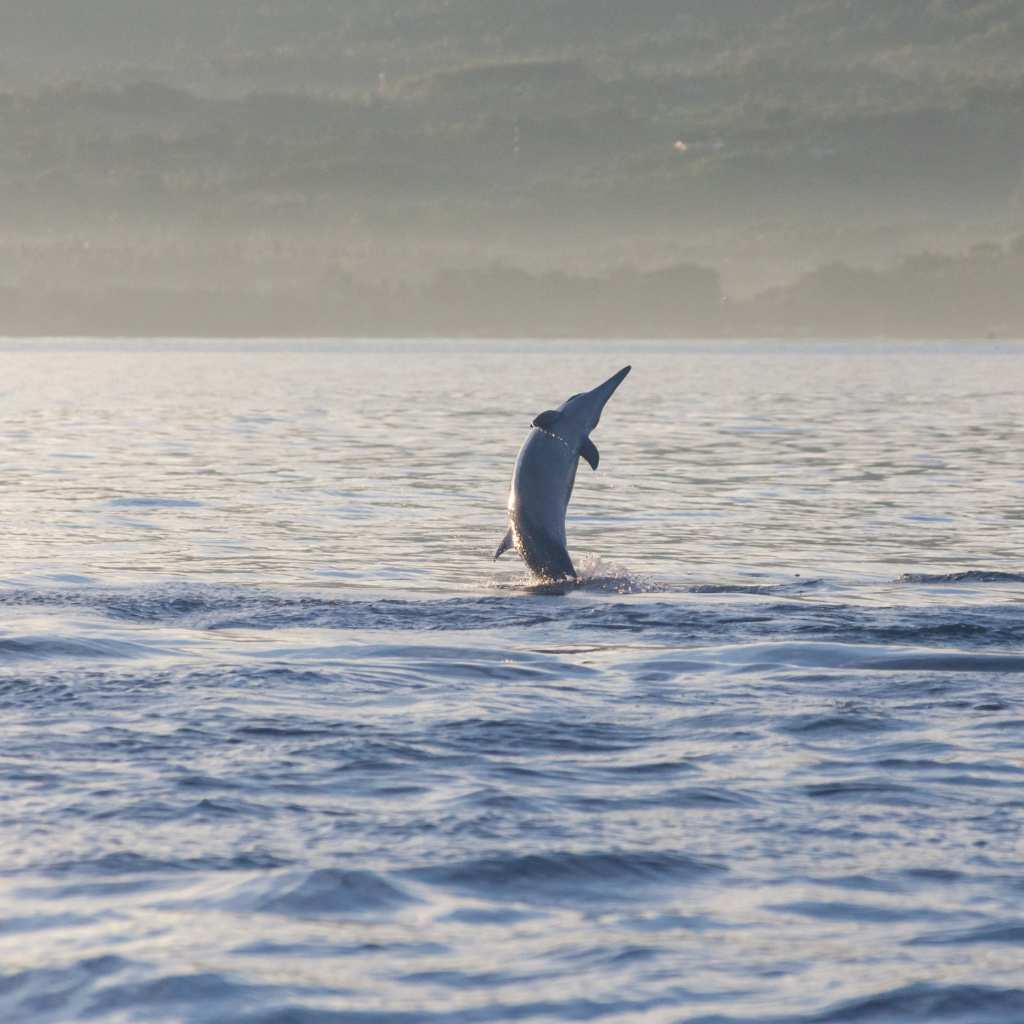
{"x":842,"y":655}
{"x":154,"y":503}
{"x":38,"y":993}
{"x":925,"y":1003}
{"x":321,"y":893}
{"x":1006,"y":932}
{"x":921,"y":1003}
{"x":968,"y":576}
{"x":763,"y":589}
{"x":114,"y":987}
{"x":824,"y":631}
{"x":568,"y":877}
{"x":46,"y":646}
{"x":128,"y":863}
{"x":221,"y":608}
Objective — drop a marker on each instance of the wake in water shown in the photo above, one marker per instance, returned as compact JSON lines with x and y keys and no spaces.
{"x":593,"y":575}
{"x":596,"y":575}
{"x":968,"y":576}
{"x":172,"y":621}
{"x":754,"y":588}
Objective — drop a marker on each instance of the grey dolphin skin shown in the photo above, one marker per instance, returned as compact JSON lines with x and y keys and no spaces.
{"x":543,"y":479}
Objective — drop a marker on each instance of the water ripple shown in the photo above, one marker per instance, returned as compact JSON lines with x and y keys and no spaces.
{"x":283,"y":745}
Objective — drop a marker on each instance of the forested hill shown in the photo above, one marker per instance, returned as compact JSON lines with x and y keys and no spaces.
{"x":266,"y":145}
{"x":868,"y":45}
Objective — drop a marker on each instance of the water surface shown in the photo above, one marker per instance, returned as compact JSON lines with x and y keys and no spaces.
{"x":281,"y":745}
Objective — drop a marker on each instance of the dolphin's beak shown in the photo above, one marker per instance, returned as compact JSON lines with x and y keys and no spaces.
{"x":605,"y":391}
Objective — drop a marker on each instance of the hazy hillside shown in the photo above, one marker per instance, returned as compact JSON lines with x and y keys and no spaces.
{"x":266,"y":147}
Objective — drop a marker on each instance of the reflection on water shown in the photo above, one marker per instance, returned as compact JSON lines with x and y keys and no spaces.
{"x":283,"y":744}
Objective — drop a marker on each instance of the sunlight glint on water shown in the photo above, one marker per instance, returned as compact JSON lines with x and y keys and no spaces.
{"x":283,"y":744}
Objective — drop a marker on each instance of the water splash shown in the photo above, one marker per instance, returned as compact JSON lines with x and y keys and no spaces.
{"x":595,"y":573}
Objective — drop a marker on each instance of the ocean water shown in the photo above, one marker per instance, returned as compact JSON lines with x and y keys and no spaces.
{"x":282,"y":745}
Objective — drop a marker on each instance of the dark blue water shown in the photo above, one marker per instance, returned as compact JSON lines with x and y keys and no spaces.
{"x":282,"y":745}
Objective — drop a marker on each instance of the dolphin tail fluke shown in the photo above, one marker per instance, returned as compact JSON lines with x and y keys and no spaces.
{"x":506,"y":542}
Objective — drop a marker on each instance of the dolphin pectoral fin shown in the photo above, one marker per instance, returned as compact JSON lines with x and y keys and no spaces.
{"x":546,"y":420}
{"x":506,"y":542}
{"x":589,"y":451}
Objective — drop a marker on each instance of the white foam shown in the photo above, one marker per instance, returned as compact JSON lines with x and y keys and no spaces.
{"x":594,"y":572}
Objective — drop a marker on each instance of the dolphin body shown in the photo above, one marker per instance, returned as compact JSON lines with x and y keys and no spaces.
{"x":543,"y":479}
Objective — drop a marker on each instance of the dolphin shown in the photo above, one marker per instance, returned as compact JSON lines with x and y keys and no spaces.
{"x":543,"y":478}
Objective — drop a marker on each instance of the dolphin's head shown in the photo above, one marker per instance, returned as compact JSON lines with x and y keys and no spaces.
{"x":582,"y":412}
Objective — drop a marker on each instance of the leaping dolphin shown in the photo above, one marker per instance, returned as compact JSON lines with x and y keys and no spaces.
{"x":543,"y":478}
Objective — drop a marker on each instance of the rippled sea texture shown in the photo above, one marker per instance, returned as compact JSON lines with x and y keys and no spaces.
{"x":281,"y":745}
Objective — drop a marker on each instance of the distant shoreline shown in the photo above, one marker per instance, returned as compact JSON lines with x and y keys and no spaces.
{"x":975,"y":294}
{"x":384,"y":343}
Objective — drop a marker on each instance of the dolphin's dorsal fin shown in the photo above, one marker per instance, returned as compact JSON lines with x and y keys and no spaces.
{"x":589,"y":451}
{"x":506,"y":542}
{"x":546,"y":420}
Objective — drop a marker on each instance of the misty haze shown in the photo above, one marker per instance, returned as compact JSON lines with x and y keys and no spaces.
{"x":736,"y":167}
